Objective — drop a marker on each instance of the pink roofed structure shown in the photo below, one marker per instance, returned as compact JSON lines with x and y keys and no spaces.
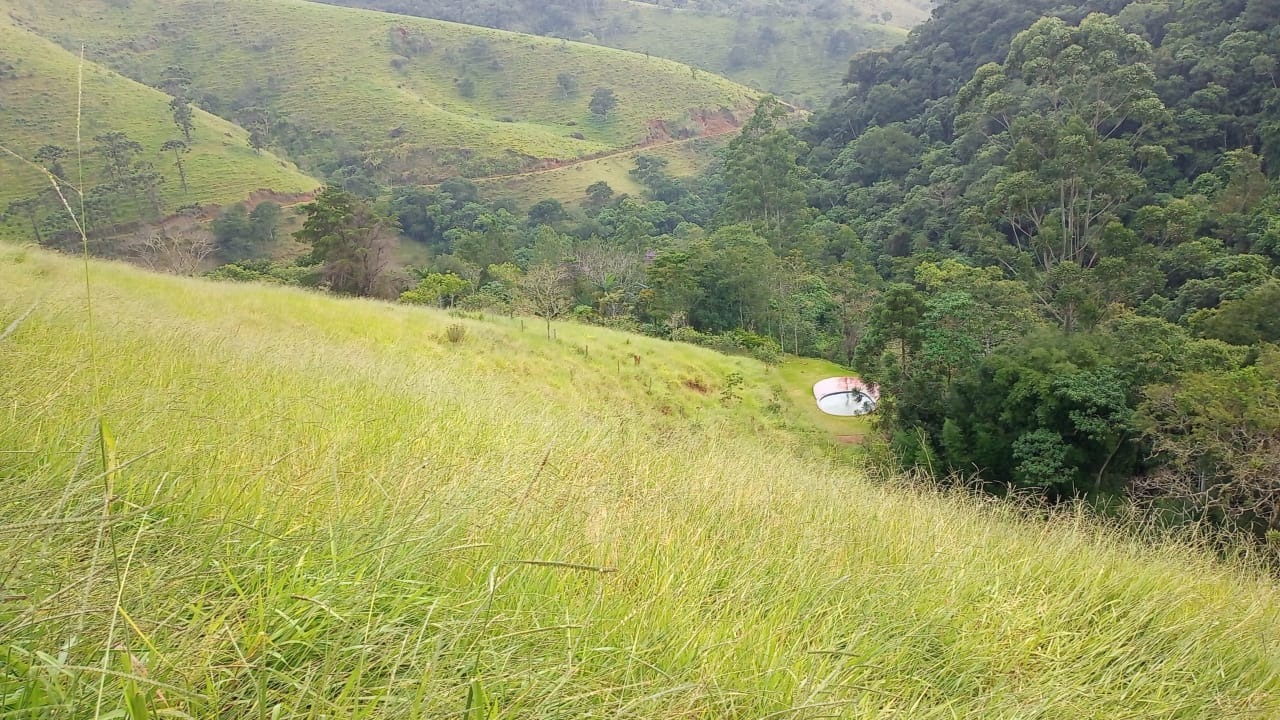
{"x":846,"y":396}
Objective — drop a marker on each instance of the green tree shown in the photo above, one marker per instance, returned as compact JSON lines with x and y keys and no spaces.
{"x":176,"y":81}
{"x":603,"y":101}
{"x":351,"y":240}
{"x":233,"y":233}
{"x":32,"y":208}
{"x":257,"y":140}
{"x":546,"y":212}
{"x":896,"y":326}
{"x":119,"y":151}
{"x":436,"y":288}
{"x":599,"y":194}
{"x":51,"y":157}
{"x":766,"y":184}
{"x":264,"y":220}
{"x":1072,"y":108}
{"x":1214,"y":434}
{"x":566,"y":84}
{"x":183,"y":116}
{"x":492,"y":242}
{"x":1248,"y":320}
{"x":178,"y":148}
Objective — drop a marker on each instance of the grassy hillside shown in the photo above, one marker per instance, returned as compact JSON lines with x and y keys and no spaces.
{"x":404,"y":99}
{"x":787,"y":51}
{"x":38,"y":97}
{"x":569,"y":184}
{"x":794,"y":50}
{"x":309,"y":507}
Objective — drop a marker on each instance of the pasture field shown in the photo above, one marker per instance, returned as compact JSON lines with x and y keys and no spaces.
{"x":787,"y":52}
{"x":409,"y":99}
{"x":38,"y":101}
{"x":245,"y":501}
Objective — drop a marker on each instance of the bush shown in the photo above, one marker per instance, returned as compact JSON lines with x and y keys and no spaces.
{"x":688,"y":335}
{"x":768,"y":354}
{"x":455,"y":333}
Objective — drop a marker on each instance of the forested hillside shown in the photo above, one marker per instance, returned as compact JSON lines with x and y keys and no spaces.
{"x":796,"y":50}
{"x":1079,"y":238}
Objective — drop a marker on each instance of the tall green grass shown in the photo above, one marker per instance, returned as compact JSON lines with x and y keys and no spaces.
{"x":324,"y":508}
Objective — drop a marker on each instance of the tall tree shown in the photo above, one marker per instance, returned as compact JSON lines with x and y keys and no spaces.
{"x":183,"y":116}
{"x":51,"y":157}
{"x":31,"y":208}
{"x":351,"y":240}
{"x":178,"y":148}
{"x":766,"y":184}
{"x":544,"y":291}
{"x":1071,"y":109}
{"x":118,"y":150}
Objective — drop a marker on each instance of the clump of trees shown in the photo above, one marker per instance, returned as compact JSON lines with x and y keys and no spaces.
{"x":242,"y":234}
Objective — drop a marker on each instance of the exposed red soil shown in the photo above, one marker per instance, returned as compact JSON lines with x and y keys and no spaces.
{"x":857,"y":439}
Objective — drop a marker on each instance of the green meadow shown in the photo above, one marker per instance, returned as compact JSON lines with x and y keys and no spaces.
{"x":40,"y":96}
{"x":416,"y":100}
{"x":569,"y":184}
{"x":799,"y":62}
{"x":240,"y":501}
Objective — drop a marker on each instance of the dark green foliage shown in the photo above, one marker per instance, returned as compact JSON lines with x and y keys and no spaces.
{"x":546,"y":212}
{"x":51,"y":157}
{"x":603,"y":102}
{"x":599,"y":193}
{"x":351,"y":241}
{"x":183,"y":116}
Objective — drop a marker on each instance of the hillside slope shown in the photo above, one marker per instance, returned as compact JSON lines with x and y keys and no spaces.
{"x":799,"y":52}
{"x":351,"y":92}
{"x":311,"y":507}
{"x":38,"y":99}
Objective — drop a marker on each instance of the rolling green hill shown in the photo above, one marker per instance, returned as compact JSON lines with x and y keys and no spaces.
{"x":358,"y":93}
{"x":38,"y":98}
{"x":239,"y":501}
{"x":797,"y":50}
{"x":569,"y":184}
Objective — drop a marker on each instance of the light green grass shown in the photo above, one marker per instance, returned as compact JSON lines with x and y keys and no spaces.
{"x":332,"y":74}
{"x":569,"y":184}
{"x":39,"y":108}
{"x":798,"y":68}
{"x":318,"y":508}
{"x":797,"y":378}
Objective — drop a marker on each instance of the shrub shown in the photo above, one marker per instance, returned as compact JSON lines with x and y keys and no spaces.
{"x":455,"y":333}
{"x":688,"y":335}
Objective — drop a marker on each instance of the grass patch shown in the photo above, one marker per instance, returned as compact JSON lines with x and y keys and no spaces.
{"x":569,"y":184}
{"x":322,"y":509}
